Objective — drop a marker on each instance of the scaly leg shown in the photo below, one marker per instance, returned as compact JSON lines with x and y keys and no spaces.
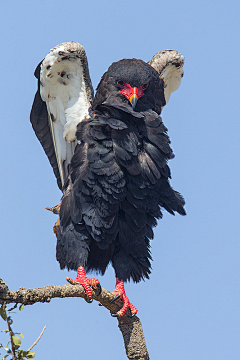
{"x":85,"y":282}
{"x":119,"y":291}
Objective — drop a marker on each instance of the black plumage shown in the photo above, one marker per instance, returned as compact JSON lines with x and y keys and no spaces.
{"x":119,"y":178}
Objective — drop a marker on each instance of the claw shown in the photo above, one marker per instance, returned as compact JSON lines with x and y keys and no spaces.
{"x":133,"y":310}
{"x":132,"y":315}
{"x":89,"y":301}
{"x":114,"y":299}
{"x":115,"y":315}
{"x":71,"y":281}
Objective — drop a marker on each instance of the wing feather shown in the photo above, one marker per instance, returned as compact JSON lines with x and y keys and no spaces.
{"x":65,"y":90}
{"x":168,"y":64}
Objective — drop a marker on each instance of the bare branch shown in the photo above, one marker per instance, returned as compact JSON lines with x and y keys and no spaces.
{"x":130,"y":327}
{"x":35,"y":342}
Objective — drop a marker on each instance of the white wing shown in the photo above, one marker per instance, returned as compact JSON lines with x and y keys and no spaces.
{"x":65,"y":87}
{"x":168,"y":64}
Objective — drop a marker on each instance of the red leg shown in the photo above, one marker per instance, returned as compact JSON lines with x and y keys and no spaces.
{"x":119,"y":291}
{"x":84,"y":281}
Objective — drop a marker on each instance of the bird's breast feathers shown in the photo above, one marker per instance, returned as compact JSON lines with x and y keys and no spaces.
{"x":136,"y":146}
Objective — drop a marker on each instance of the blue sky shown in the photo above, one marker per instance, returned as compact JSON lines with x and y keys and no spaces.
{"x":190,"y":306}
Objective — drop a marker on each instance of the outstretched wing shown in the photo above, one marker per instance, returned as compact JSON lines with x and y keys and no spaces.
{"x":63,"y":99}
{"x":168,"y":64}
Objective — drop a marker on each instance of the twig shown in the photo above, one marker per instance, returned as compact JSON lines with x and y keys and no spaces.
{"x":131,"y":328}
{"x":35,"y":342}
{"x":11,"y":335}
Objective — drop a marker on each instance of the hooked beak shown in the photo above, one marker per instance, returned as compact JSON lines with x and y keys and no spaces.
{"x":131,"y":93}
{"x":134,"y":98}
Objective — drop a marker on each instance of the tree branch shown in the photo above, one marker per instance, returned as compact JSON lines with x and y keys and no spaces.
{"x":130,"y":327}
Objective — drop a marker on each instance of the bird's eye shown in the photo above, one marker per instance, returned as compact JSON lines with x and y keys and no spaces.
{"x":145,"y":86}
{"x":120,"y":82}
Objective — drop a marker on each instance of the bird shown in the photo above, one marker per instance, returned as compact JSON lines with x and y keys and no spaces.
{"x":109,"y":153}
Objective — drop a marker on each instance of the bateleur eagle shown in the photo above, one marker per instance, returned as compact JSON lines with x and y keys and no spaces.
{"x":109,"y":153}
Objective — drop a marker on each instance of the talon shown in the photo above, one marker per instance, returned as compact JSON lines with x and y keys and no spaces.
{"x":71,"y":281}
{"x":133,"y":310}
{"x":132,"y":315}
{"x":115,"y":315}
{"x":89,"y":301}
{"x":114,"y":299}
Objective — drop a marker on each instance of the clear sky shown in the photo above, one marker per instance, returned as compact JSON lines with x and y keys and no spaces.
{"x":190,"y":307}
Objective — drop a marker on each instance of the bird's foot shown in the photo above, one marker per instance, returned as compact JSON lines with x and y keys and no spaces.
{"x":119,"y":291}
{"x":87,"y":283}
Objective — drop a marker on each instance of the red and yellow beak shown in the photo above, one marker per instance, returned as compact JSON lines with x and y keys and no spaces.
{"x":134,"y":97}
{"x":131,"y":93}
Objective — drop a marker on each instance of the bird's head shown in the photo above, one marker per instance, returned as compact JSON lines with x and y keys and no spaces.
{"x":132,"y":83}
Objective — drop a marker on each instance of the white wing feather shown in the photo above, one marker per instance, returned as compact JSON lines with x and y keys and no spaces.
{"x":68,"y":97}
{"x":168,"y":64}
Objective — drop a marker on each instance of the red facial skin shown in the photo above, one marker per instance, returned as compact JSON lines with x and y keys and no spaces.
{"x":84,"y":281}
{"x":119,"y":290}
{"x":129,"y":92}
